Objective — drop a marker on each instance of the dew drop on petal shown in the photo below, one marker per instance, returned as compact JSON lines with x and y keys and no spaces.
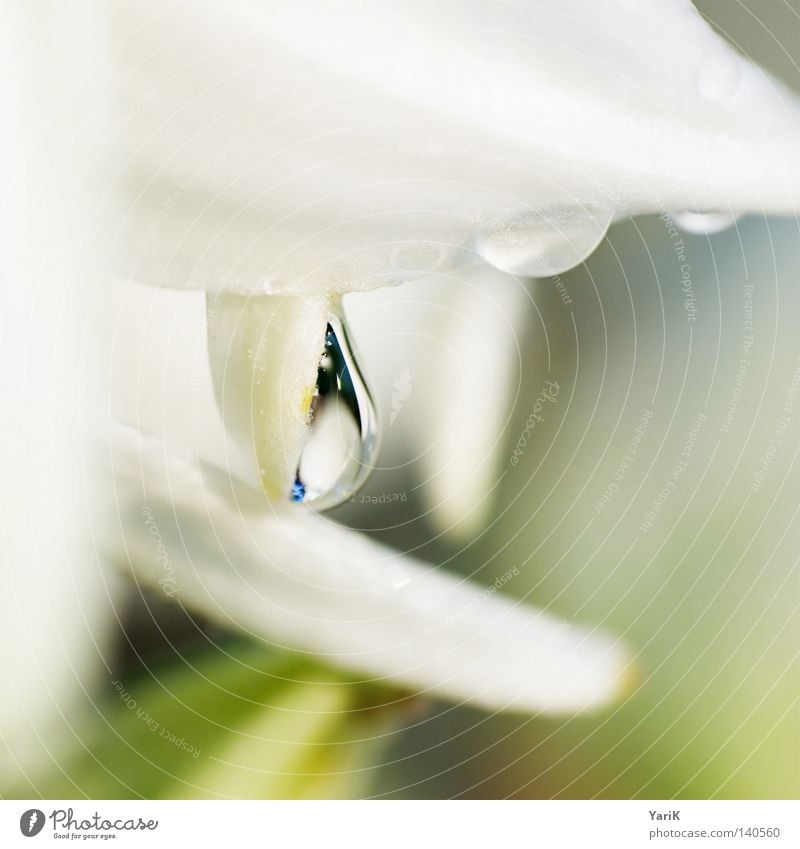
{"x":341,"y":447}
{"x":546,"y":242}
{"x":703,"y":223}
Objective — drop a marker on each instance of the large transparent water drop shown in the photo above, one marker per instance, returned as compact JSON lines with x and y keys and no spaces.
{"x":342,"y":444}
{"x":703,"y":223}
{"x":547,"y":242}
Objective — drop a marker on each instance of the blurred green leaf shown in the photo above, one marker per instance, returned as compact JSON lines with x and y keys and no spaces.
{"x":238,"y":723}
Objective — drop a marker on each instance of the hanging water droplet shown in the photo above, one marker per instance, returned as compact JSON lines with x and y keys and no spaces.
{"x":547,"y":242}
{"x":703,"y":223}
{"x":341,"y":447}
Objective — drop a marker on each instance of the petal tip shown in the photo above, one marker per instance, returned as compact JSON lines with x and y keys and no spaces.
{"x":629,"y":680}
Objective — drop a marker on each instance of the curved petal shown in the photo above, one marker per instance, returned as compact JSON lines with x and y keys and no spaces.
{"x":264,"y":353}
{"x":448,"y":382}
{"x":291,"y":147}
{"x":310,"y":585}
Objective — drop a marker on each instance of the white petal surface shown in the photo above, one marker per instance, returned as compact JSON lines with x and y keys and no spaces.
{"x":264,"y":352}
{"x":55,"y":610}
{"x":470,"y":392}
{"x":298,"y":147}
{"x":304,"y":583}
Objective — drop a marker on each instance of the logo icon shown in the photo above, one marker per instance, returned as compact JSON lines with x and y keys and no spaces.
{"x":31,"y":822}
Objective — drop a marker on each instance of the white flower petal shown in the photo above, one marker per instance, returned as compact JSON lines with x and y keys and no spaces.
{"x":489,"y":314}
{"x":458,"y":337}
{"x":291,"y":147}
{"x":55,"y":605}
{"x":310,"y":585}
{"x":264,"y":353}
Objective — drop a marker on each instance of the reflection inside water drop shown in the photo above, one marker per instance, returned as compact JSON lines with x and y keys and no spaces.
{"x":546,"y":242}
{"x":341,"y":447}
{"x":703,"y":223}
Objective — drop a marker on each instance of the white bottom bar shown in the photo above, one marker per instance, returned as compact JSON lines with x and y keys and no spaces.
{"x":404,"y":825}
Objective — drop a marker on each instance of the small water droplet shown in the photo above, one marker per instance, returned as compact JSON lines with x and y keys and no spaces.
{"x":547,"y":242}
{"x":718,"y":78}
{"x":341,"y":447}
{"x":703,"y":223}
